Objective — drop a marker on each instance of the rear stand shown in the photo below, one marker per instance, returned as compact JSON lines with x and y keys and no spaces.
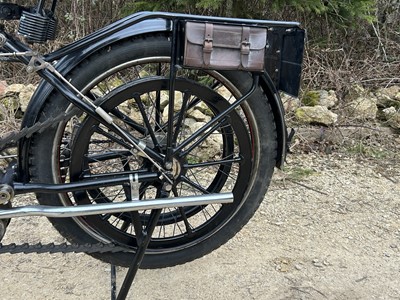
{"x":143,"y":242}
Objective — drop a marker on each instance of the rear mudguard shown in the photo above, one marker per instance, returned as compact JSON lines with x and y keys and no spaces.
{"x":68,"y":60}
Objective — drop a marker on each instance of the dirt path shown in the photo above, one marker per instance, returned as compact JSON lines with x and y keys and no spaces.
{"x":330,"y":230}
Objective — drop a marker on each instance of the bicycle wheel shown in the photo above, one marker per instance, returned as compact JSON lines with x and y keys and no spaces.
{"x":130,"y":81}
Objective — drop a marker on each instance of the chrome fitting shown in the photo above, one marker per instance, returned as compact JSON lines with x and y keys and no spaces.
{"x":6,"y":193}
{"x":3,"y":40}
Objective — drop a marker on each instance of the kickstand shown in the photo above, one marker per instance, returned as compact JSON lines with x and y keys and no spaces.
{"x":143,"y":243}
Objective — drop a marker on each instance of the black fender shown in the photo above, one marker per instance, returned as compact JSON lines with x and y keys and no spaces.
{"x":70,"y":56}
{"x":74,"y":58}
{"x":278,"y":111}
{"x":68,"y":61}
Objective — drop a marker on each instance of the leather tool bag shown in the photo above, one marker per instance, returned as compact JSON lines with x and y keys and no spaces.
{"x":224,"y":47}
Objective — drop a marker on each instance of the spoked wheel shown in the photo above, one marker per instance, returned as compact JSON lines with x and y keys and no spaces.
{"x":212,"y":163}
{"x":130,"y":81}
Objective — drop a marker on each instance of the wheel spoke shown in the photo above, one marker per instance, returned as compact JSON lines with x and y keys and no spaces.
{"x":113,"y":138}
{"x":149,"y":130}
{"x":181,"y":116}
{"x":128,"y":121}
{"x":226,"y":161}
{"x":201,"y":139}
{"x":194,"y":185}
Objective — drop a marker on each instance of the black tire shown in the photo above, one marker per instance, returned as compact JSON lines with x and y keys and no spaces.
{"x":248,"y":135}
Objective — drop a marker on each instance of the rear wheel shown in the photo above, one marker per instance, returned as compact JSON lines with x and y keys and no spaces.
{"x":130,"y":81}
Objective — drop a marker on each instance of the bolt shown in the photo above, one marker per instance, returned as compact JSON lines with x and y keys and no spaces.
{"x":167,"y":187}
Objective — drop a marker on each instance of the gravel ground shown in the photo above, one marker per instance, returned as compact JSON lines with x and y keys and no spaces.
{"x":329,"y":228}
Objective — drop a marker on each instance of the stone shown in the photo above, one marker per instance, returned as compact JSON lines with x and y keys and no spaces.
{"x":320,"y":97}
{"x":316,"y":115}
{"x":8,"y":106}
{"x":290,"y":103}
{"x":392,"y":117}
{"x":178,"y":101}
{"x":210,"y":147}
{"x":363,"y":107}
{"x":204,"y":109}
{"x":387,"y":97}
{"x":355,"y":92}
{"x":135,"y":115}
{"x":21,"y":94}
{"x":224,"y":92}
{"x":14,"y":89}
{"x":328,"y":98}
{"x":25,"y":96}
{"x":198,"y":116}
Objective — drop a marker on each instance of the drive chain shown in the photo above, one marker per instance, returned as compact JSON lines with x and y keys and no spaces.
{"x":12,"y":138}
{"x":40,"y":248}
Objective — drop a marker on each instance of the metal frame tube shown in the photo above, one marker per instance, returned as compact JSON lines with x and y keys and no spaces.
{"x":86,"y":184}
{"x":96,"y":209}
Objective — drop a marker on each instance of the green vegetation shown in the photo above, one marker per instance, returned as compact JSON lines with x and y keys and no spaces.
{"x":368,"y":151}
{"x":311,"y":98}
{"x":348,"y":41}
{"x":298,"y":173}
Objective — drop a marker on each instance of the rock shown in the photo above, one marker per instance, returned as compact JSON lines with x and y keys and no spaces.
{"x":224,"y":92}
{"x":390,"y":111}
{"x":363,"y":107}
{"x":320,"y":97}
{"x":392,"y":117}
{"x":177,"y":104}
{"x":25,"y":96}
{"x":290,"y":103}
{"x":20,"y":95}
{"x":10,"y":103}
{"x":14,"y":89}
{"x":362,"y":104}
{"x":328,"y":98}
{"x":198,"y":116}
{"x":135,"y":114}
{"x":204,"y":109}
{"x":189,"y":122}
{"x":387,"y":97}
{"x":316,"y":114}
{"x":210,"y":147}
{"x":355,"y":92}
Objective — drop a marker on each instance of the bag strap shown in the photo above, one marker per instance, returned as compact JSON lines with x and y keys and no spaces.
{"x":208,"y":43}
{"x":245,"y":47}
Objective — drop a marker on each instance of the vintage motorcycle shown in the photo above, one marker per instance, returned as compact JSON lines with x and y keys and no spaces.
{"x":156,"y":135}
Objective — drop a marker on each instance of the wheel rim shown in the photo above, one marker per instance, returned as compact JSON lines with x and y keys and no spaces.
{"x":101,"y":85}
{"x":198,"y":222}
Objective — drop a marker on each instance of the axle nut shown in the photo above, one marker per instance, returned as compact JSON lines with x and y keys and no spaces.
{"x":6,"y":193}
